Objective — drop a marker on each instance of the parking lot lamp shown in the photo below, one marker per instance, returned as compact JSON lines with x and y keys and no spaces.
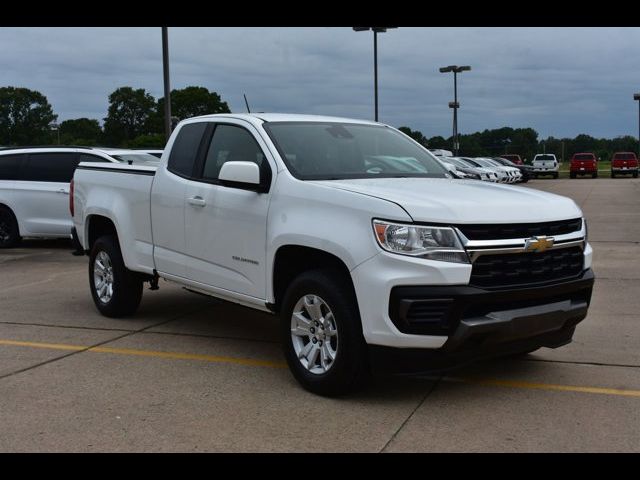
{"x":455,"y":105}
{"x":376,"y":30}
{"x":167,"y":88}
{"x":56,"y":127}
{"x":636,"y":96}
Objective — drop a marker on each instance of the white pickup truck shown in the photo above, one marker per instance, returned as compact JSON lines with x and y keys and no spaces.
{"x":372,"y":255}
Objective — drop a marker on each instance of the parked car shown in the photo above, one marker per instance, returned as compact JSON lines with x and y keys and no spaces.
{"x":513,"y":158}
{"x":503,"y":175}
{"x":624,"y":163}
{"x":514,"y":175}
{"x":545,"y":164}
{"x":383,"y":269}
{"x":34,"y":188}
{"x":155,"y":152}
{"x":525,"y":170}
{"x":583,"y":164}
{"x":479,"y":173}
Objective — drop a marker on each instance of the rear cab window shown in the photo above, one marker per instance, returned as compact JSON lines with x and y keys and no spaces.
{"x":584,"y":156}
{"x":184,"y":151}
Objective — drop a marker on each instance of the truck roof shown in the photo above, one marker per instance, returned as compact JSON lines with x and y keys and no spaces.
{"x":286,"y":117}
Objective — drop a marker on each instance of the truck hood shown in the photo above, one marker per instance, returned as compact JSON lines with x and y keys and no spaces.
{"x":451,"y":201}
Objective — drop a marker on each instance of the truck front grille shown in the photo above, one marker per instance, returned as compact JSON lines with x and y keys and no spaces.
{"x":520,"y":230}
{"x":514,"y":269}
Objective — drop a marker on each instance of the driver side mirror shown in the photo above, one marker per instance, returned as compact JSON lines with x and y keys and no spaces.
{"x":245,"y":175}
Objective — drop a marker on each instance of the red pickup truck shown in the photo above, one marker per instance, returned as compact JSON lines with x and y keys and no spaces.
{"x":513,"y":158}
{"x":583,"y":164}
{"x":624,"y":163}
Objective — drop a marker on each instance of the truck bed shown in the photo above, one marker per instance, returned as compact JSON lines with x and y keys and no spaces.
{"x":108,"y":188}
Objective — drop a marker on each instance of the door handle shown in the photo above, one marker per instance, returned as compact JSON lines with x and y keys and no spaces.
{"x":196,"y":201}
{"x":63,"y":191}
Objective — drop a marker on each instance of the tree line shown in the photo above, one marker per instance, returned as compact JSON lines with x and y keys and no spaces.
{"x":135,"y":119}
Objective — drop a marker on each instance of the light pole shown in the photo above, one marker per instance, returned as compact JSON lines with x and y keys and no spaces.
{"x":376,"y":30}
{"x":167,"y":88}
{"x":56,"y":127}
{"x":636,"y":96}
{"x":455,"y":105}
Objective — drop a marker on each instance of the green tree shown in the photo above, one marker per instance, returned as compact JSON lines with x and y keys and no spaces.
{"x":80,"y":131}
{"x":154,"y":140}
{"x":25,"y":116}
{"x":130,"y":115}
{"x":415,"y":134}
{"x":438,"y":142}
{"x":192,"y":102}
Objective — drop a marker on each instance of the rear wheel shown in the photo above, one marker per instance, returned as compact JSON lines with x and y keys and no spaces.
{"x":594,"y":175}
{"x":322,"y":333}
{"x":572,"y":175}
{"x":613,"y":175}
{"x":116,"y":290}
{"x":555,"y":175}
{"x":635,"y":174}
{"x":9,"y":232}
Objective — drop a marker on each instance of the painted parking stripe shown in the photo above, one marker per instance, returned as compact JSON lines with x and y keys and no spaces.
{"x":148,"y":353}
{"x":544,"y":386}
{"x":270,"y":364}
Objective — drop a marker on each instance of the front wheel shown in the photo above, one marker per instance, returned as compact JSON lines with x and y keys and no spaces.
{"x":322,"y":334}
{"x":116,"y":290}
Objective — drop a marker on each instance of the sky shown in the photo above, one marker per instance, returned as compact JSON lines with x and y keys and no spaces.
{"x":561,"y":81}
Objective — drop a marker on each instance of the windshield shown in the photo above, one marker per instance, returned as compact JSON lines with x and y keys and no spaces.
{"x":458,"y":162}
{"x":135,"y":157}
{"x":484,"y":162}
{"x":334,"y":151}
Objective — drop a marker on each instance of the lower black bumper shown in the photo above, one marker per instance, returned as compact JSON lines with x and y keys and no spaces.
{"x":482,"y":323}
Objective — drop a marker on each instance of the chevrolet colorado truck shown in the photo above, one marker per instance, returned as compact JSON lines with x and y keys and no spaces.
{"x":374,"y":258}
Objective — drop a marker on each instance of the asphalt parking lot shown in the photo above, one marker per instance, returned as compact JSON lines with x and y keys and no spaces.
{"x":189,"y":373}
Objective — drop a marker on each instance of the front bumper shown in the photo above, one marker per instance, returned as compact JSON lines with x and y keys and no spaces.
{"x":485,"y":323}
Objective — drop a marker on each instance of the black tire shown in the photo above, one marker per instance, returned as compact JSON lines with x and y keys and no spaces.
{"x":127,"y":285}
{"x":9,"y":232}
{"x":555,"y":175}
{"x":635,"y":174}
{"x":613,"y":175}
{"x":572,"y":175}
{"x":350,"y":369}
{"x":594,"y":175}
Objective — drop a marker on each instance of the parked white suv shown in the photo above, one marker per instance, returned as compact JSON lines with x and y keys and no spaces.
{"x":34,"y":188}
{"x":545,"y":164}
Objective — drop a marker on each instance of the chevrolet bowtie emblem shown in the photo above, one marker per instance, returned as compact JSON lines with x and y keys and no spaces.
{"x":538,"y":244}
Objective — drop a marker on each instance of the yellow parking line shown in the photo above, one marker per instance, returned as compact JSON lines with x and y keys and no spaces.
{"x":148,"y":353}
{"x":545,"y":386}
{"x":266,"y":363}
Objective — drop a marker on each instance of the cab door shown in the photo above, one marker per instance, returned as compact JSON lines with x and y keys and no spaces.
{"x":225,"y":226}
{"x":168,"y":199}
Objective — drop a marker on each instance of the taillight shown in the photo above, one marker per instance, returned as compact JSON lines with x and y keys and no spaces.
{"x":71,"y":197}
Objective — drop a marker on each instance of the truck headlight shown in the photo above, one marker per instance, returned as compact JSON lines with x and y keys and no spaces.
{"x":433,"y":243}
